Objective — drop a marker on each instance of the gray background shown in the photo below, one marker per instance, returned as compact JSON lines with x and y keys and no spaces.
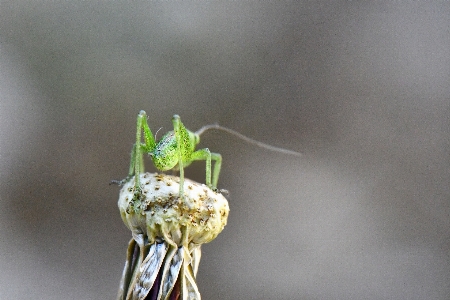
{"x":360,"y":88}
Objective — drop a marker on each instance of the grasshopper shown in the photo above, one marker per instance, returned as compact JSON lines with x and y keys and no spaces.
{"x":177,"y":150}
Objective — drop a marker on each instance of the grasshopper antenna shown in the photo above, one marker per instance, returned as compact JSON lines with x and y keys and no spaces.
{"x":247,"y":139}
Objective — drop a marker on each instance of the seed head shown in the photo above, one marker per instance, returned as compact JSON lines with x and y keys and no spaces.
{"x":161,"y":215}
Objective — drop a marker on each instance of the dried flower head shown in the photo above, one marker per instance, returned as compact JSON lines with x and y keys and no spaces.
{"x":167,"y":230}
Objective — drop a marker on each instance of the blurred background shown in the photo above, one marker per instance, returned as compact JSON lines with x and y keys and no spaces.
{"x":361,"y":89}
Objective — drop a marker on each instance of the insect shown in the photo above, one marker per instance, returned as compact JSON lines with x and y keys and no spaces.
{"x":177,"y":150}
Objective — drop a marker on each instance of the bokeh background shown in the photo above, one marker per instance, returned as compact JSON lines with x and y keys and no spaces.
{"x":360,"y":88}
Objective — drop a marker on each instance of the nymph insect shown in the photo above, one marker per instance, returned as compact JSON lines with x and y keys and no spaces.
{"x":177,"y":150}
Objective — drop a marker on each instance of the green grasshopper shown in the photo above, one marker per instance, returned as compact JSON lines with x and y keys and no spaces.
{"x":177,"y":150}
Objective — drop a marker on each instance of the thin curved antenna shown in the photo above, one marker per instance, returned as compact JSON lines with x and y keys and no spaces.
{"x":157,"y":132}
{"x":247,"y":139}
